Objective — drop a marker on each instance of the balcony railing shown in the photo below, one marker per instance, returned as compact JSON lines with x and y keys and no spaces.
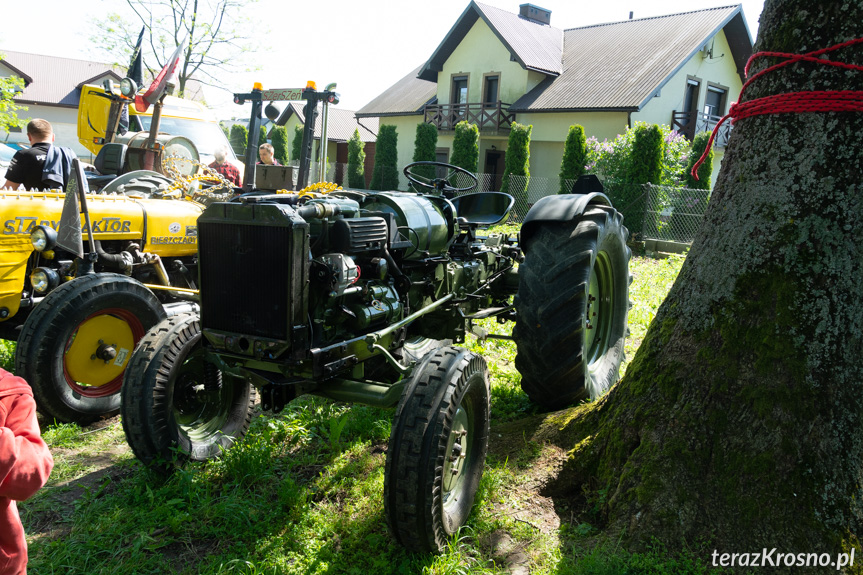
{"x":690,"y":123}
{"x":490,"y":117}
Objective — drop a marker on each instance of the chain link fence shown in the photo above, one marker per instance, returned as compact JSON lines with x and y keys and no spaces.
{"x":673,"y":214}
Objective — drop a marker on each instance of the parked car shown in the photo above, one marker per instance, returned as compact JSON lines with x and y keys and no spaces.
{"x":6,"y":153}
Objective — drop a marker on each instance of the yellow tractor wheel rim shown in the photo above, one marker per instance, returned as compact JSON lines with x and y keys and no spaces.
{"x":99,"y":349}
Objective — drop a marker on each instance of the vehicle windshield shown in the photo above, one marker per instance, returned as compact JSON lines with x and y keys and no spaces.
{"x":206,"y":136}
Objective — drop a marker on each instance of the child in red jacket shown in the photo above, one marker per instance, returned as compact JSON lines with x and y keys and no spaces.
{"x":25,"y":464}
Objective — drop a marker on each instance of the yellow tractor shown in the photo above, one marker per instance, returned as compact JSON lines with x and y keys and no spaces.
{"x":77,"y":317}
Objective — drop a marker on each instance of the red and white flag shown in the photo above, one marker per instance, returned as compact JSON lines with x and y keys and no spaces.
{"x":157,"y":88}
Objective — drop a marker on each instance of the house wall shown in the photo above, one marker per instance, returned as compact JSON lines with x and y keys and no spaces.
{"x":406,"y":131}
{"x":481,"y":52}
{"x":63,"y":120}
{"x":719,"y":70}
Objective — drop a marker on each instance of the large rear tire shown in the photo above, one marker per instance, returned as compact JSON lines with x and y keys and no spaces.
{"x":76,"y":344}
{"x":572,"y":303}
{"x":437,"y":449}
{"x":175,"y":404}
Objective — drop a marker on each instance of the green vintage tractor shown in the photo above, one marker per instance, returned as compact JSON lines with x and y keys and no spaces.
{"x":358,"y":296}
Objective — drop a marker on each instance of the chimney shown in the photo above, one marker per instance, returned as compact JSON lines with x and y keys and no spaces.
{"x":535,"y":14}
{"x":630,"y":15}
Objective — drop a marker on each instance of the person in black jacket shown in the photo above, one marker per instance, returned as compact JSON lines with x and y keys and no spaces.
{"x":43,"y":165}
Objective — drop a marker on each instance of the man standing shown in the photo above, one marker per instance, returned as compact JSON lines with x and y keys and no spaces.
{"x":267,"y":154}
{"x":228,"y":170}
{"x":43,"y":165}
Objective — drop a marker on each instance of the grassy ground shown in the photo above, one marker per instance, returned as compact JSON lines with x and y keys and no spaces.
{"x":303,"y":494}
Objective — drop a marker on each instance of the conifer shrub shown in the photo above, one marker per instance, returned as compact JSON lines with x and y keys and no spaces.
{"x":516,"y":173}
{"x":572,"y":166}
{"x":465,"y":146}
{"x":425,"y":146}
{"x":356,"y":161}
{"x":279,"y":136}
{"x":699,"y":143}
{"x":297,"y":143}
{"x":385,"y":174}
{"x":239,"y":138}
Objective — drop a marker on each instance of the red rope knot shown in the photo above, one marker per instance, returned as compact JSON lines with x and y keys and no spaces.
{"x":792,"y":102}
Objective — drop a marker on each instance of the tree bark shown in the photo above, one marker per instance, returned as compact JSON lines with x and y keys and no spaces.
{"x":738,"y":422}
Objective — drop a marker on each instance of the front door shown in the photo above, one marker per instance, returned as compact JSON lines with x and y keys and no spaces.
{"x":494,"y":164}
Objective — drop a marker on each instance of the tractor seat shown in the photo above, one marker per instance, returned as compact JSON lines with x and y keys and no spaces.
{"x":483,"y":208}
{"x":109,"y":163}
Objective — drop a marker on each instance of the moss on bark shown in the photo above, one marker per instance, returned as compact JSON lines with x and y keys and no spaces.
{"x":739,"y":420}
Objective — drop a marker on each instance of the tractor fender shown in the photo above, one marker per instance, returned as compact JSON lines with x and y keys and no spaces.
{"x":558,"y":208}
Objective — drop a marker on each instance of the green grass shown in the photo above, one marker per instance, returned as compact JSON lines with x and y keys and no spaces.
{"x":7,"y":355}
{"x":302,"y":493}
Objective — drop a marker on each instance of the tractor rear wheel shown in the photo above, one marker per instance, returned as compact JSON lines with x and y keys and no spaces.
{"x":76,"y":344}
{"x":177,"y":405}
{"x":437,"y":449}
{"x":572,"y":303}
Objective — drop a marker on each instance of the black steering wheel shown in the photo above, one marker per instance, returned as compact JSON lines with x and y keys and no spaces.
{"x":437,"y":177}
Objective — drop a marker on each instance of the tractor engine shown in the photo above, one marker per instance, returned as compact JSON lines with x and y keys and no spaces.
{"x":328,"y":270}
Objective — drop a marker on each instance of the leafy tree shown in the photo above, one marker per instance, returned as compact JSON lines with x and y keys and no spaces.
{"x":465,"y":146}
{"x":279,"y":136}
{"x":517,"y":163}
{"x":572,"y":166}
{"x":239,"y":139}
{"x":738,"y":419}
{"x":356,"y":161}
{"x":8,"y":107}
{"x":297,"y":143}
{"x":385,"y":174}
{"x":218,"y":36}
{"x":425,"y":147}
{"x":699,"y":143}
{"x":225,"y":130}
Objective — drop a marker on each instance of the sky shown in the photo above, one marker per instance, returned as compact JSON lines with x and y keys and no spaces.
{"x":363,"y":46}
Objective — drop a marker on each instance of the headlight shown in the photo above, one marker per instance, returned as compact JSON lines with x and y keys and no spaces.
{"x":43,"y":238}
{"x":44,"y":280}
{"x":128,"y":87}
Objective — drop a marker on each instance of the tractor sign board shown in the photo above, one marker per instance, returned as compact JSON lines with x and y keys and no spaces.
{"x":282,"y":94}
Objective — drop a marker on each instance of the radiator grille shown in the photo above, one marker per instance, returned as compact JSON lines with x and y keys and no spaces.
{"x":245,"y":275}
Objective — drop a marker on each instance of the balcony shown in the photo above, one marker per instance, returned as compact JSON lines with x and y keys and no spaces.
{"x":491,"y":117}
{"x":690,"y":123}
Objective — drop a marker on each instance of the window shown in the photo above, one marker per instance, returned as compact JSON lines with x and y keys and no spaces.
{"x":458,"y":100}
{"x":490,"y":90}
{"x":690,"y":101}
{"x":714,"y":101}
{"x":459,"y":90}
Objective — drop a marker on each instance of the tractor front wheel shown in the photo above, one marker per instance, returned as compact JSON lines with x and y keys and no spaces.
{"x":177,"y":405}
{"x":437,"y":449}
{"x":75,"y":346}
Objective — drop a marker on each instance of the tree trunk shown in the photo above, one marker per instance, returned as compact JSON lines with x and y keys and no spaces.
{"x":738,"y":422}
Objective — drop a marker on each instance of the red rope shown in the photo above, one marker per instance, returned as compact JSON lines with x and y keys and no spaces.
{"x":792,"y":102}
